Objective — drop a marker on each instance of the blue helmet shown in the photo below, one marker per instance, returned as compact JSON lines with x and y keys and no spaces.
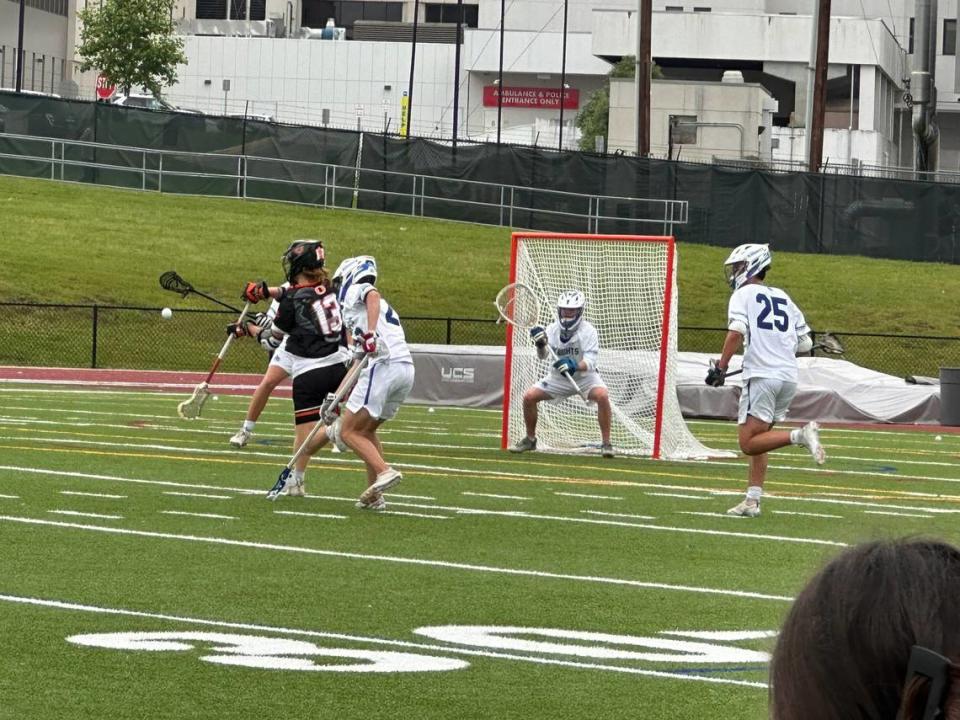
{"x":353,"y":271}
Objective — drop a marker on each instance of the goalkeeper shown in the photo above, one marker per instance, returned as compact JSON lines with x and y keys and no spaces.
{"x":576,"y":347}
{"x":771,"y":327}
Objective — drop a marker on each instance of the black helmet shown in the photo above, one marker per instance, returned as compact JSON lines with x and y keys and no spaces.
{"x":302,"y":255}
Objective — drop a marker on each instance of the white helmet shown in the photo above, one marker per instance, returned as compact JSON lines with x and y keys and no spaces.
{"x":351,"y":271}
{"x":745,"y":262}
{"x":570,"y":300}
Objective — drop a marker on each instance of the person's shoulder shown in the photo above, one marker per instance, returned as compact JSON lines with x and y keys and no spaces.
{"x":588,"y":327}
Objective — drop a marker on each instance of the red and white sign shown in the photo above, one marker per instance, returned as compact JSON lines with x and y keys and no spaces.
{"x":105,"y":88}
{"x":532,"y":97}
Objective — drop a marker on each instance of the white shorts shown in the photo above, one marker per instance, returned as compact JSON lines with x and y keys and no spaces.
{"x":282,"y":359}
{"x":558,"y":387}
{"x":765,"y":399}
{"x":381,"y":389}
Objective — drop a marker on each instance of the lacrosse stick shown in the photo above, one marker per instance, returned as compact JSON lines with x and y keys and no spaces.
{"x":825,"y":341}
{"x":346,"y":385}
{"x":519,"y":305}
{"x":174,"y":283}
{"x":190,"y":408}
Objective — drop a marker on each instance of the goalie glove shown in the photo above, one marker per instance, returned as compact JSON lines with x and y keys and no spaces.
{"x":254,"y":292}
{"x":716,"y":375}
{"x":566,"y":365}
{"x":539,"y":336}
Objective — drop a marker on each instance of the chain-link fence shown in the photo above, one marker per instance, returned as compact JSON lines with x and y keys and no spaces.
{"x":111,"y":336}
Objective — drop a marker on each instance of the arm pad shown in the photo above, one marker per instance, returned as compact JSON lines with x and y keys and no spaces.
{"x":269,"y":341}
{"x":738,"y":326}
{"x":804,"y":343}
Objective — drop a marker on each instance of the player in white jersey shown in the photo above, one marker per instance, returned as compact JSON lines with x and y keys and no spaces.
{"x":773,"y":330}
{"x":278,"y":370}
{"x":386,"y":381}
{"x":576,"y":345}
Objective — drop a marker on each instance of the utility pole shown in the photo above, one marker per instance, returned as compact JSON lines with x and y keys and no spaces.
{"x":642,"y":79}
{"x":21,"y":53}
{"x":503,"y":12}
{"x":413,"y":64}
{"x":456,"y":74}
{"x":819,"y":105}
{"x":563,"y":73}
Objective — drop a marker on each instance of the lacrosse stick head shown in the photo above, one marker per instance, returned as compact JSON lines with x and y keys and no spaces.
{"x":519,"y":305}
{"x":190,"y":408}
{"x":830,"y":344}
{"x":279,"y":485}
{"x":174,"y":283}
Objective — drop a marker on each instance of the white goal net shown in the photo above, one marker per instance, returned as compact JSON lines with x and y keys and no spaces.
{"x":631,"y":291}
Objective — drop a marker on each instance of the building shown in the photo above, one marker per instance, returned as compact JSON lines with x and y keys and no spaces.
{"x":280,"y":60}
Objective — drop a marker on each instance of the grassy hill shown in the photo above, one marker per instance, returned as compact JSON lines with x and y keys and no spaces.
{"x":72,"y":243}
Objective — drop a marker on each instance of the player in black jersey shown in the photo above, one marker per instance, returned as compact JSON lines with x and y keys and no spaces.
{"x":309,"y":316}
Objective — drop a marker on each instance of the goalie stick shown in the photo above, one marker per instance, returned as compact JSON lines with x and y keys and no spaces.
{"x":346,"y":385}
{"x":190,"y":408}
{"x":828,"y":342}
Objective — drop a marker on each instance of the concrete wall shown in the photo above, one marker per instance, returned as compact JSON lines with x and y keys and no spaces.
{"x":44,"y":34}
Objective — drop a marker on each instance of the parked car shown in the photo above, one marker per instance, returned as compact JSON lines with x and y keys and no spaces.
{"x":148,"y":102}
{"x":262,"y":117}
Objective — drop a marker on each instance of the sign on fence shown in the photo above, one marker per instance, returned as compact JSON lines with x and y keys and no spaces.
{"x":105,"y":88}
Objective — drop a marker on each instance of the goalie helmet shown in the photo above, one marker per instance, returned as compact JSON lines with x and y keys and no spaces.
{"x":302,"y":255}
{"x":353,"y":271}
{"x":745,"y":263}
{"x":570,"y":306}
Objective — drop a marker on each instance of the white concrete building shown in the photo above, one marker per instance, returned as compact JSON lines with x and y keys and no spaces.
{"x":365,"y":75}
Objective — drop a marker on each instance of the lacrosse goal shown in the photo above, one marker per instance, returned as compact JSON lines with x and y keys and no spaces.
{"x":630,"y":287}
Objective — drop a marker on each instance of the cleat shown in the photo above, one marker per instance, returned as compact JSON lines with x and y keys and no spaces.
{"x":606,"y":450}
{"x":525,"y":445}
{"x":810,"y":439}
{"x":377,"y":504}
{"x":241,"y":438}
{"x":385,"y":480}
{"x":747,"y":508}
{"x":295,"y":489}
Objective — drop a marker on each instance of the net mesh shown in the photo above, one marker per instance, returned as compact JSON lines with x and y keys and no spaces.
{"x":625,"y":283}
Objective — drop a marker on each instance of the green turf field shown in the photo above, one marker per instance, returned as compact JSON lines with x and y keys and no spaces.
{"x":495,"y":586}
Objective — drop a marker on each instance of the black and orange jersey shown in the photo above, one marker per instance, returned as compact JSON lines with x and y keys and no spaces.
{"x":310,"y":316}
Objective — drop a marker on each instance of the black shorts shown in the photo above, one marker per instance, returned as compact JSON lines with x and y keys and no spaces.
{"x":311,"y":388}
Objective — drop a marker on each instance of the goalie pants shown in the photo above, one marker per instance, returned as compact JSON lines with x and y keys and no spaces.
{"x":310,"y":390}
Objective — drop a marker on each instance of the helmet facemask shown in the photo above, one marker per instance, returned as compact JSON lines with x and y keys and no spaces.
{"x":570,"y":307}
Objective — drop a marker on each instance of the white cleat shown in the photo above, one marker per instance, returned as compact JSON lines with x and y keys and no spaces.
{"x":810,"y":435}
{"x":295,"y":489}
{"x":378,"y":504}
{"x":385,"y":480}
{"x":241,"y":438}
{"x":747,"y":508}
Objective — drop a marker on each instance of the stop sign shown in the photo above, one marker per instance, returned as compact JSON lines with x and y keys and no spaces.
{"x":104,"y":88}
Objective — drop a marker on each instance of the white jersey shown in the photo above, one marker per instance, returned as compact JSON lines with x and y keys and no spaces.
{"x":583,"y":345}
{"x":774,"y":326}
{"x":353,"y":307}
{"x":272,"y":313}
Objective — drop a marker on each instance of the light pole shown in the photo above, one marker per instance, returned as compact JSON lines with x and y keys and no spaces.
{"x":21,"y":53}
{"x":563,"y":73}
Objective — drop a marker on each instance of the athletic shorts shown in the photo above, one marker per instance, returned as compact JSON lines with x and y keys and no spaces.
{"x":558,"y":387}
{"x":765,"y":399}
{"x":282,"y":359}
{"x":381,"y":389}
{"x":310,"y":390}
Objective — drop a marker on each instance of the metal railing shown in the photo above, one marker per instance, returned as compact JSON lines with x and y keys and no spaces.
{"x":340,"y":186}
{"x":135,"y":337}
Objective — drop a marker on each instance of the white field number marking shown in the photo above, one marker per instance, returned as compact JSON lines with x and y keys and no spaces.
{"x":275,"y":653}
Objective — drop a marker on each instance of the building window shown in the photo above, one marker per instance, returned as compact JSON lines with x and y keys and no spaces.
{"x":683,"y":131}
{"x":346,"y":12}
{"x":447,"y":13}
{"x":910,"y":39}
{"x":211,"y":9}
{"x":674,"y":8}
{"x":702,"y":9}
{"x":950,"y":37}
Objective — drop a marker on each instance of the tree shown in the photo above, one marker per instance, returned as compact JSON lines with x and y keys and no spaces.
{"x":594,"y":118}
{"x":132,"y":42}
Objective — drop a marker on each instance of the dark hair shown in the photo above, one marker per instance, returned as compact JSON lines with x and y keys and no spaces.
{"x":843,"y":650}
{"x":763,"y":273}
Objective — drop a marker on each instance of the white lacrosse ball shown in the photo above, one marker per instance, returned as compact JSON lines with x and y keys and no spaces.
{"x":938,"y":438}
{"x":166,"y":313}
{"x":430,"y":410}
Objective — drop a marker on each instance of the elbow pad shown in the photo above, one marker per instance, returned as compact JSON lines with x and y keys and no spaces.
{"x":804,"y":343}
{"x":268,"y":341}
{"x":738,"y":326}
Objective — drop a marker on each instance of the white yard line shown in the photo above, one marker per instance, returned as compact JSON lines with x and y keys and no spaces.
{"x":681,"y":495}
{"x":468,"y":567}
{"x":430,"y":647}
{"x":806,"y":514}
{"x":895,"y":514}
{"x":413,"y":514}
{"x":92,"y":494}
{"x":620,"y":515}
{"x":10,"y":497}
{"x":327,"y":516}
{"x":590,"y":497}
{"x":212,"y":516}
{"x":411,"y":497}
{"x":199,"y":495}
{"x":86,"y":514}
{"x":497,"y":497}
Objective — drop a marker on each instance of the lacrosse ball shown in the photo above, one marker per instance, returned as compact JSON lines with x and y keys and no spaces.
{"x":166,"y":313}
{"x":938,"y":438}
{"x":216,"y":397}
{"x":430,"y":410}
